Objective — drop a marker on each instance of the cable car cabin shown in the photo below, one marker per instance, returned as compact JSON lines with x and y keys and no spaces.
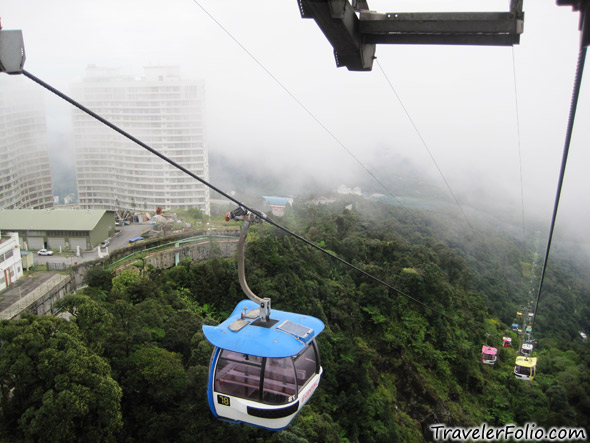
{"x":489,"y":355}
{"x":263,"y":373}
{"x":529,"y":329}
{"x":527,"y":349}
{"x":515,"y":327}
{"x":525,"y":368}
{"x":531,"y":315}
{"x":507,"y":341}
{"x":519,"y":315}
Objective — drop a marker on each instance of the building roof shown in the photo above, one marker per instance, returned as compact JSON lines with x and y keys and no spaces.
{"x":279,"y":201}
{"x":50,"y":220}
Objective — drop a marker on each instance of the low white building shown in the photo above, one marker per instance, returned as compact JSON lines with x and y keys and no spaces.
{"x":11,"y":268}
{"x":345,"y":190}
{"x":277,"y":204}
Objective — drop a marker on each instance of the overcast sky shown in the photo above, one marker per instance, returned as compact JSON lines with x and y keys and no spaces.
{"x":461,"y":99}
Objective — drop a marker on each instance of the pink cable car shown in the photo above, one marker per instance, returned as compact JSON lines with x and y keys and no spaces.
{"x":489,"y":355}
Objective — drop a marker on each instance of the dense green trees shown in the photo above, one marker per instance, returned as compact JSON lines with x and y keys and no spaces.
{"x":54,"y":388}
{"x":131,"y":363}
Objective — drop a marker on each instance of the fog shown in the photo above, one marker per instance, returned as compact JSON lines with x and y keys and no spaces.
{"x":277,"y":104}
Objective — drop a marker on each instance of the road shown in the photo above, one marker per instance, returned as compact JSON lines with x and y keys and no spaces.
{"x":120,"y":240}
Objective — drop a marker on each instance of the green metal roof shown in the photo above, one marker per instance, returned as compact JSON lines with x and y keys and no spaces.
{"x":50,"y":219}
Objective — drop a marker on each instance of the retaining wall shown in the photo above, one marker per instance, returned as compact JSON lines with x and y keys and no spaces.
{"x":41,"y":300}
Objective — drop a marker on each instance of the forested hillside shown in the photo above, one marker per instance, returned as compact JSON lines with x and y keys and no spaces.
{"x":132,"y":362}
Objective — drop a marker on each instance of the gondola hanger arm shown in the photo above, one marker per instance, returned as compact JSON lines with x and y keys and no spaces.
{"x":241,"y":214}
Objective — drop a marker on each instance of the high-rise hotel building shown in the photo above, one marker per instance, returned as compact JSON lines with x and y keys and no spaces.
{"x":162,"y":110}
{"x":25,"y":177}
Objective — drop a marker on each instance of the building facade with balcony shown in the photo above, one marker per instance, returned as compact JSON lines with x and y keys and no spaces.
{"x":162,"y":110}
{"x":25,"y":177}
{"x":11,"y":268}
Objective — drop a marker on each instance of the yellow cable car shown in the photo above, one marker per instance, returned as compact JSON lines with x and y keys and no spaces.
{"x":525,"y":368}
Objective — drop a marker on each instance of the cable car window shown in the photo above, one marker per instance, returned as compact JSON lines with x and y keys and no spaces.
{"x":279,"y":381}
{"x":238,"y":375}
{"x":523,"y":370}
{"x":305,"y":366}
{"x":489,"y":357}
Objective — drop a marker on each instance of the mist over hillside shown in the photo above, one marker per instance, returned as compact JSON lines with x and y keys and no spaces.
{"x":392,"y":366}
{"x":398,"y":181}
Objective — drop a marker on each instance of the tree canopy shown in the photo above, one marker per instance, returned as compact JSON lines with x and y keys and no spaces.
{"x":131,"y":363}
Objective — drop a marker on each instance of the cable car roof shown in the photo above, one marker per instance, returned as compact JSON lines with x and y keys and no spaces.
{"x":489,"y":350}
{"x":527,"y":362}
{"x":285,"y":338}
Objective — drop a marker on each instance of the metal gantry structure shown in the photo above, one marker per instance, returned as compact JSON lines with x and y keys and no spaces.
{"x":354,"y":30}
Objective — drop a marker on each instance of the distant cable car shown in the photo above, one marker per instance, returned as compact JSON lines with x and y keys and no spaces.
{"x":519,"y":315}
{"x":525,"y":368}
{"x":489,"y":355}
{"x":515,"y":327}
{"x":531,"y":315}
{"x":527,"y":349}
{"x":529,"y":329}
{"x":507,"y":341}
{"x":264,"y":368}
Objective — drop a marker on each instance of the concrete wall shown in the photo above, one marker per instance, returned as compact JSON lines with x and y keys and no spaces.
{"x":44,"y":305}
{"x":41,"y":300}
{"x":197,"y":252}
{"x":164,"y":259}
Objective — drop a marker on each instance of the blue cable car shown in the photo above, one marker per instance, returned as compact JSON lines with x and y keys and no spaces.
{"x":263,"y":368}
{"x":263,"y":374}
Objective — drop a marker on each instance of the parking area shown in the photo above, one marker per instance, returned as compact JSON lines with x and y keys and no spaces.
{"x":120,"y":240}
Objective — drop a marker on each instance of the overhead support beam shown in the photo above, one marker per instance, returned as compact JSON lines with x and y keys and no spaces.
{"x":441,"y":28}
{"x":340,"y":24}
{"x":584,"y":7}
{"x":354,"y":38}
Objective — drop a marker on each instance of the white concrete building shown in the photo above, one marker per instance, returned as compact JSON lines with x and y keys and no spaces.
{"x":343,"y":189}
{"x":162,"y":110}
{"x":11,"y":268}
{"x":25,"y":178}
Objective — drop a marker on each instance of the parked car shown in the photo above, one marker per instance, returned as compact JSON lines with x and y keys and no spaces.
{"x":45,"y":252}
{"x":106,"y":242}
